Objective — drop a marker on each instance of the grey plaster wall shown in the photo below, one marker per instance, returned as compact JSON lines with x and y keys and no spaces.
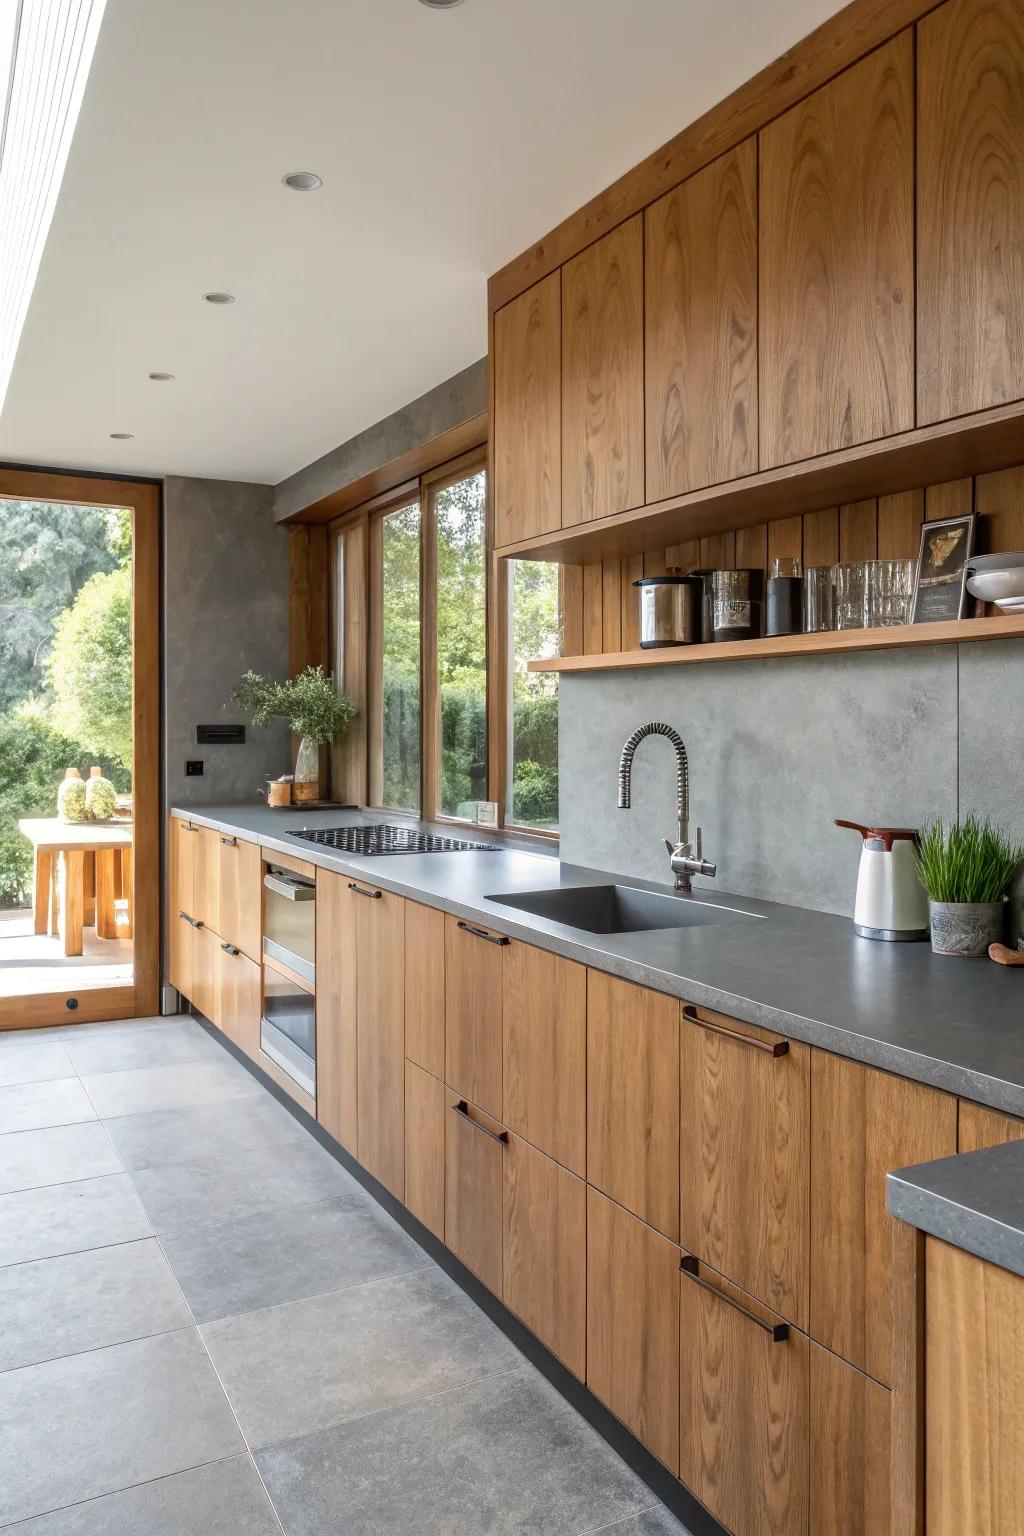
{"x":225,"y":609}
{"x":778,"y":748}
{"x":458,"y":399}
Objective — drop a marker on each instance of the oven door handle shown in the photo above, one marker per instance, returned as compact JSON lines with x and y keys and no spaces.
{"x":290,"y":889}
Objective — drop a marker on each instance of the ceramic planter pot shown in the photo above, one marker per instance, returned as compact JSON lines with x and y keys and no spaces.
{"x":965,"y":928}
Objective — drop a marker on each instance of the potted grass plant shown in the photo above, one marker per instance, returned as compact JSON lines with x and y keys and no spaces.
{"x":314,"y":709}
{"x":966,"y":868}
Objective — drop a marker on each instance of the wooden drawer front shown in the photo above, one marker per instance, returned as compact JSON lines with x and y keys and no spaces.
{"x":473,"y":957}
{"x":864,"y":1123}
{"x":181,"y":842}
{"x":336,"y":1051}
{"x":633,"y":1325}
{"x":240,"y":894}
{"x":380,"y":1032}
{"x":206,"y":877}
{"x":545,"y":1251}
{"x":745,"y":1152}
{"x":206,"y":974}
{"x":238,"y":997}
{"x":545,"y":1052}
{"x":181,"y":952}
{"x":528,"y":413}
{"x":633,"y":1099}
{"x":850,"y":1462}
{"x":424,"y":987}
{"x":425,"y":1101}
{"x":743,"y":1416}
{"x":978,"y":1128}
{"x":473,"y":1171}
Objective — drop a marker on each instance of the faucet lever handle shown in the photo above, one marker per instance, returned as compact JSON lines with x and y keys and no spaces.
{"x":670,"y":845}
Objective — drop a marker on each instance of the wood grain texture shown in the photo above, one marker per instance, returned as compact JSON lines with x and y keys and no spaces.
{"x":864,"y":1124}
{"x":206,"y":877}
{"x":425,"y":1109}
{"x":544,"y":1012}
{"x":633,"y":1099}
{"x":978,"y":1128}
{"x":836,"y":339}
{"x":337,"y":1059}
{"x":999,"y":503}
{"x":950,"y":498}
{"x":424,"y":987}
{"x":700,"y":328}
{"x":899,"y":525}
{"x":602,"y":377}
{"x":206,"y":955}
{"x":526,"y":484}
{"x":970,"y":207}
{"x":240,"y":891}
{"x":144,"y":501}
{"x":181,"y":843}
{"x":632,"y":570}
{"x":473,"y":1178}
{"x":752,"y":548}
{"x":593,"y":609}
{"x":858,"y":530}
{"x":473,"y":1009}
{"x":718,"y":551}
{"x":821,"y":537}
{"x":633,"y":1325}
{"x":611,"y":605}
{"x":380,"y":1036}
{"x":974,"y":1385}
{"x":907,"y":1403}
{"x":745,"y":1151}
{"x":850,"y":1471}
{"x":544,"y":1237}
{"x":677,"y":558}
{"x":239,"y":999}
{"x":350,"y":609}
{"x":395,"y":475}
{"x":785,"y":538}
{"x":570,"y":592}
{"x":743,"y":1417}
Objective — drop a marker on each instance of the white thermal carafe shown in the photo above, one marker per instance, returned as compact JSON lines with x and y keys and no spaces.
{"x":891,"y":902}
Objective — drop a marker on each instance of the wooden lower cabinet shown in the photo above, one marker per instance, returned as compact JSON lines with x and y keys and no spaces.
{"x":544,"y":1251}
{"x":743,"y":1414}
{"x":633,"y":1325}
{"x":473,"y":1173}
{"x":181,"y":948}
{"x":206,"y":877}
{"x":424,"y":987}
{"x":544,"y":1013}
{"x":380,"y":1032}
{"x":240,"y":894}
{"x":473,"y":958}
{"x":850,"y":1468}
{"x":978,"y":1128}
{"x":238,"y":998}
{"x":205,"y":972}
{"x":425,"y":1104}
{"x":337,"y":1063}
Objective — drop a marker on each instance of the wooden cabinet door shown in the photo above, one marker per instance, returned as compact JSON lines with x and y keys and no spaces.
{"x":527,"y":475}
{"x":700,"y":328}
{"x":473,"y":1172}
{"x":206,"y":878}
{"x":970,"y":207}
{"x":473,"y":957}
{"x":836,"y":221}
{"x":380,"y":1032}
{"x":978,"y":1128}
{"x":633,"y":1325}
{"x":545,"y":1251}
{"x":743,"y":1416}
{"x":206,"y":974}
{"x":545,"y":1052}
{"x":850,"y":1461}
{"x":745,"y":1155}
{"x":633,"y":1098}
{"x":336,"y":1022}
{"x":181,"y":843}
{"x":240,"y":893}
{"x":603,"y":376}
{"x":238,"y":997}
{"x":425,"y":1104}
{"x":424,"y":987}
{"x":864,"y":1124}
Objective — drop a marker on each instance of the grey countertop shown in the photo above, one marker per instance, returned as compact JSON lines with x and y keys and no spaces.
{"x":955,"y":1024}
{"x":975,"y":1201}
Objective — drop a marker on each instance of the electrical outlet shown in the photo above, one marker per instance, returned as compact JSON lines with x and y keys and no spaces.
{"x":193,"y":767}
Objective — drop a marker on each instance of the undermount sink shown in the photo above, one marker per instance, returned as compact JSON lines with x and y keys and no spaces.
{"x":619,"y":909}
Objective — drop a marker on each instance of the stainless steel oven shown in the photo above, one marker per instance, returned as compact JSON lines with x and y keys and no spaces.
{"x":288,"y":1025}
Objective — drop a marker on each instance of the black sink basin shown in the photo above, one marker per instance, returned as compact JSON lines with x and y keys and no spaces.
{"x":619,"y":909}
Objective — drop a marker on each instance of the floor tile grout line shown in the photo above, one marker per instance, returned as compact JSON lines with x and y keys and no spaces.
{"x":96,"y":1349}
{"x":90,"y":1178}
{"x":59,"y":1125}
{"x":638,"y":1514}
{"x":334,"y":1290}
{"x":6,"y":1525}
{"x":74,"y":1253}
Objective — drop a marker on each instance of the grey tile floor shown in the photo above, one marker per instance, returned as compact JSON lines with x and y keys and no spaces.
{"x":207,"y":1327}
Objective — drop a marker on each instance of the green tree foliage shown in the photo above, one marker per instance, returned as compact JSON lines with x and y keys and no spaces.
{"x":90,"y":666}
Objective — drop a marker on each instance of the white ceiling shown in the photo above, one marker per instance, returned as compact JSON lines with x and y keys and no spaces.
{"x":447,"y":141}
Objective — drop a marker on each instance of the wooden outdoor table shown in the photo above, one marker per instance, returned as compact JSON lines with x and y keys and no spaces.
{"x":63,"y":850}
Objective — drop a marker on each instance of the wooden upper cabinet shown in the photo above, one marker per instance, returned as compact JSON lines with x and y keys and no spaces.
{"x":836,"y":221}
{"x":240,"y":894}
{"x":700,"y":328}
{"x":545,"y":1052}
{"x":380,"y":1032}
{"x":970,"y":207}
{"x":337,"y":1062}
{"x":473,"y":1005}
{"x":424,"y":987}
{"x":603,"y":377}
{"x":527,"y":471}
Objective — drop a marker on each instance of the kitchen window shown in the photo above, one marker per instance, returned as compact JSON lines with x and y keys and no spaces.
{"x":396,"y":701}
{"x":457,"y":526}
{"x":534,"y":608}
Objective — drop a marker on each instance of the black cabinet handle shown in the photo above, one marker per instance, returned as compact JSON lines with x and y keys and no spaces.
{"x":690,"y":1266}
{"x":194,"y":922}
{"x":361,"y":890}
{"x":462,"y":1109}
{"x":481,"y":933}
{"x":770,"y":1047}
{"x":230,"y":842}
{"x":229,"y":949}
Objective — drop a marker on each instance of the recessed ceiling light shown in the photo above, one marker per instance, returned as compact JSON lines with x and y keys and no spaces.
{"x":219,"y":298}
{"x":302,"y":181}
{"x":440,"y":5}
{"x":161,"y":378}
{"x":122,"y":437}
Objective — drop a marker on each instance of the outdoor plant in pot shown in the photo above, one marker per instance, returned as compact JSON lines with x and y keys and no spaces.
{"x":966,"y":869}
{"x":316,"y":712}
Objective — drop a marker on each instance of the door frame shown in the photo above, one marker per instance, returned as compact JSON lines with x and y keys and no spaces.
{"x":142,"y":997}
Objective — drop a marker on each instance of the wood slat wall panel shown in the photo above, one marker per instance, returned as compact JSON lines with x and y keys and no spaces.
{"x":611,"y":605}
{"x":593,"y":608}
{"x":899,"y":525}
{"x":821,"y":537}
{"x":785,"y":538}
{"x":752,"y":547}
{"x":572,"y":609}
{"x":858,"y":530}
{"x":954,"y":498}
{"x":632,"y":570}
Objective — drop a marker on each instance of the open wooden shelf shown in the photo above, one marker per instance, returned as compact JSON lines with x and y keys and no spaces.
{"x":1004,"y":627}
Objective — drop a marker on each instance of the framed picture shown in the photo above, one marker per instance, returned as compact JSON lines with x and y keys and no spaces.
{"x":940,"y":591}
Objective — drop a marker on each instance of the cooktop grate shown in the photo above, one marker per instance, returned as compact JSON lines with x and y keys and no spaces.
{"x":381,"y":838}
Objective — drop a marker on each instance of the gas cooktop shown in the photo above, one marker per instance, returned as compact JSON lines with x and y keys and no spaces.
{"x":381,"y":838}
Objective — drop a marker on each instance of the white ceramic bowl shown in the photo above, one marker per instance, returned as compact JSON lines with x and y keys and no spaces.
{"x":992,"y":586}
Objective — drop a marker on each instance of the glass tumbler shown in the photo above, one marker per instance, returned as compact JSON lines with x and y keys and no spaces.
{"x":819,"y":600}
{"x":890,"y":592}
{"x":851,"y":594}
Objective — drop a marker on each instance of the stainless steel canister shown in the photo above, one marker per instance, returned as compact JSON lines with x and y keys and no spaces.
{"x":669,"y":610}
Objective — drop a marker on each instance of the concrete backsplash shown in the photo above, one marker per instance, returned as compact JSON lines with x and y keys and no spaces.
{"x":778,"y":748}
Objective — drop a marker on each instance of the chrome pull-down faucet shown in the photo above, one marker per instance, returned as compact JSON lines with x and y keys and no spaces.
{"x":684,"y":860}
